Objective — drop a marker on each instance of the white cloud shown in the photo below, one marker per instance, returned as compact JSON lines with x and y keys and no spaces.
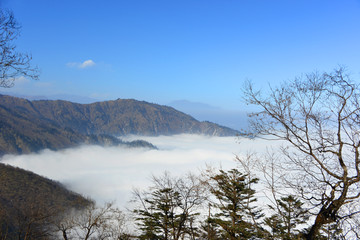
{"x":85,"y":64}
{"x":110,"y":173}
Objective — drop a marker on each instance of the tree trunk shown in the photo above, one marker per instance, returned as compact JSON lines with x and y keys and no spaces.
{"x":325,"y":216}
{"x":64,"y":235}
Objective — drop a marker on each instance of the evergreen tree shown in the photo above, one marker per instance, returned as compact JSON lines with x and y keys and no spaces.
{"x":169,"y":209}
{"x":290,"y":214}
{"x":277,"y":228}
{"x":158,"y":219}
{"x":332,"y":231}
{"x":235,"y":214}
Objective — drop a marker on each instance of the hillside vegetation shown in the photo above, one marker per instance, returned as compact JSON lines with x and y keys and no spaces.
{"x":29,"y":201}
{"x":27,"y":126}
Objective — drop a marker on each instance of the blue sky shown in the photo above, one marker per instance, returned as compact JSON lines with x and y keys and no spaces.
{"x":196,"y":50}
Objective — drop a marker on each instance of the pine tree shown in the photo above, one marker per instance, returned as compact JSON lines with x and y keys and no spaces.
{"x":290,"y":214}
{"x":169,"y":209}
{"x":235,"y":214}
{"x":159,"y":219}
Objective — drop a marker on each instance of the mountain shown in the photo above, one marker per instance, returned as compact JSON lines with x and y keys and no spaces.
{"x":67,"y":97}
{"x":235,"y":119}
{"x":23,"y":129}
{"x":28,"y":200}
{"x":27,"y":126}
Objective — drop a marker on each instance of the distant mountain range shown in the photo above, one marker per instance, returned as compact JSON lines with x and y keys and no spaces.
{"x":66,"y":97}
{"x":236,"y":119}
{"x":27,"y":126}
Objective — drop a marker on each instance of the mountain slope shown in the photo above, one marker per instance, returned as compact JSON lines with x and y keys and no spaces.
{"x":29,"y":201}
{"x":21,"y":132}
{"x":27,"y":126}
{"x":123,"y":116}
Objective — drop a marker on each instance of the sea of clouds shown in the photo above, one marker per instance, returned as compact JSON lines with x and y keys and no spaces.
{"x":111,"y":173}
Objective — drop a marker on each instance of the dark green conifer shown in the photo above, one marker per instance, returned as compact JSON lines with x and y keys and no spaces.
{"x":290,"y":214}
{"x":235,"y":214}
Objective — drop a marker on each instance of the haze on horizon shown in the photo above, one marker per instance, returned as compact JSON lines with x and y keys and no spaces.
{"x":164,"y":51}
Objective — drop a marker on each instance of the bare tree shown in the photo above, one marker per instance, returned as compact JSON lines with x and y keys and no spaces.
{"x":29,"y":218}
{"x":318,"y":118}
{"x":92,"y":222}
{"x":13,"y":64}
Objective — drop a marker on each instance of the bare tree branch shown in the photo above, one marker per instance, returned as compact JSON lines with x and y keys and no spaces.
{"x":13,"y":64}
{"x":318,"y":116}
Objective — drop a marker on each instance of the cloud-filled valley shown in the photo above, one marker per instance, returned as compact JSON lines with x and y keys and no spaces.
{"x":110,"y":173}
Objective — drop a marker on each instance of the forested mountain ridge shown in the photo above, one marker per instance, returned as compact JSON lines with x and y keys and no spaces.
{"x":29,"y":201}
{"x":27,"y":126}
{"x":125,"y":116}
{"x":19,"y":185}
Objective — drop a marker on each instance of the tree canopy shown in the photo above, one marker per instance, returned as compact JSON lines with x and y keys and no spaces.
{"x":317,"y":116}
